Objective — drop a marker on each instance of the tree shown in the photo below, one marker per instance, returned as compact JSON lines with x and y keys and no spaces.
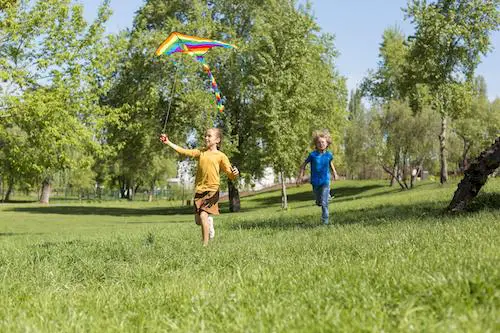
{"x":357,"y":138}
{"x":294,"y":87}
{"x":402,"y":136}
{"x":387,"y":82}
{"x":148,"y":89}
{"x":237,"y":23}
{"x":240,"y":76}
{"x":405,"y":139}
{"x":53,"y":65}
{"x":477,"y":127}
{"x":476,"y":176}
{"x":450,"y":37}
{"x":385,"y":86}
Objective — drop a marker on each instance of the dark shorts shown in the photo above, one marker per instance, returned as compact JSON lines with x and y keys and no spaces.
{"x":207,"y":201}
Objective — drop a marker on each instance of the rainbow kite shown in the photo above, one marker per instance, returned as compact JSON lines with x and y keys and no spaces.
{"x":197,"y":47}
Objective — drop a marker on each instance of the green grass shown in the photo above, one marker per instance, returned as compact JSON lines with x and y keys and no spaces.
{"x":393,"y":261}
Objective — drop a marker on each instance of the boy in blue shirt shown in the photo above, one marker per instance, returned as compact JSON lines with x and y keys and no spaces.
{"x":321,"y":163}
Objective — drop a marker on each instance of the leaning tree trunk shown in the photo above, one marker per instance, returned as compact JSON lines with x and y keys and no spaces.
{"x":442,"y":151}
{"x":234,"y":198}
{"x":46,"y":188}
{"x":394,"y":176}
{"x":405,"y":169}
{"x":394,"y":168}
{"x":10,"y":188}
{"x":476,"y":176}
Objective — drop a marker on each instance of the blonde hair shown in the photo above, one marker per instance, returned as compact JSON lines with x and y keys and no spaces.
{"x":217,"y":132}
{"x":322,"y":134}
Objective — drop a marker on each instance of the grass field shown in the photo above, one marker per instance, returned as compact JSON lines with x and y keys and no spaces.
{"x":391,"y":262}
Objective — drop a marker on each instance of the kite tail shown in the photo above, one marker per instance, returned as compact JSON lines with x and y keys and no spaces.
{"x":213,"y":84}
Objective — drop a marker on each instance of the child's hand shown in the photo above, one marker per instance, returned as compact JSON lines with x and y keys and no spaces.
{"x":164,"y":138}
{"x":235,"y":171}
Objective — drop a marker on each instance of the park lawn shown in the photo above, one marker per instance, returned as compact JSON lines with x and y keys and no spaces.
{"x":392,"y":261}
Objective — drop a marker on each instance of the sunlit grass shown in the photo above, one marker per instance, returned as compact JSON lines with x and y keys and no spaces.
{"x":391,"y":261}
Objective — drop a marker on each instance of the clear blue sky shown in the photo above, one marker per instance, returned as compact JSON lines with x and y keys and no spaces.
{"x":357,"y":25}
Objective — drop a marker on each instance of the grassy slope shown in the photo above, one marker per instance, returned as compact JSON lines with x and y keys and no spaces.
{"x":393,"y":261}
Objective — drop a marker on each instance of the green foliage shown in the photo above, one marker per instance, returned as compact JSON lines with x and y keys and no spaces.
{"x":265,"y":107}
{"x":477,"y":128}
{"x":450,"y":37}
{"x":149,"y":88}
{"x":294,"y":87}
{"x":401,"y":138}
{"x":55,"y":69}
{"x":388,"y":81}
{"x":360,"y":140}
{"x":406,"y":140}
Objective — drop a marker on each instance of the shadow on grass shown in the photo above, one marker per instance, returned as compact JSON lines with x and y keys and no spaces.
{"x":373,"y":216}
{"x":106,"y":211}
{"x":484,"y":201}
{"x":187,"y":210}
{"x":156,"y":222}
{"x":343,"y":192}
{"x":7,"y":234}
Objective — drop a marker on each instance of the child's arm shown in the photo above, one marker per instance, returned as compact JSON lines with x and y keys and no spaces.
{"x":231,"y":171}
{"x":334,"y":172}
{"x":180,"y":150}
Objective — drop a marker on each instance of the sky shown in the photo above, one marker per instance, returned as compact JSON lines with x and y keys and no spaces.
{"x":357,"y":26}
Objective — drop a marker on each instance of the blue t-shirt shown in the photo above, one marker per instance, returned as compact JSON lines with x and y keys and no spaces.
{"x":320,"y":167}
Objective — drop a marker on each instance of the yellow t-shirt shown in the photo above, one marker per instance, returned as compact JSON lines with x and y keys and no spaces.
{"x":209,"y":165}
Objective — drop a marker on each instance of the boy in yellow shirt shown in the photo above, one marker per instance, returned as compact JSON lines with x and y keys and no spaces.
{"x":207,"y":182}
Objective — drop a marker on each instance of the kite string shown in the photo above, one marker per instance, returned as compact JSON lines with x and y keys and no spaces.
{"x":171,"y":98}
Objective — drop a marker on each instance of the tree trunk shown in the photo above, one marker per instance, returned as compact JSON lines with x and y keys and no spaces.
{"x":284,"y":199}
{"x":405,"y":170}
{"x":394,"y":168}
{"x":10,"y":188}
{"x":151,"y":191}
{"x":136,"y":188}
{"x":386,"y":169}
{"x":98,"y":191}
{"x":46,"y":188}
{"x":123,"y":187}
{"x":234,"y":198}
{"x":129,"y":190}
{"x":417,"y":171}
{"x":464,"y":163}
{"x":130,"y":193}
{"x":443,"y":175}
{"x":476,"y":176}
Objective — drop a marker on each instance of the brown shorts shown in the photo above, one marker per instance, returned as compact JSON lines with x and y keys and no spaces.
{"x":207,"y":201}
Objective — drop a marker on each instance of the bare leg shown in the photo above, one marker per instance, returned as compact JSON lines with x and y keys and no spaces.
{"x":197,"y":220}
{"x":204,"y":227}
